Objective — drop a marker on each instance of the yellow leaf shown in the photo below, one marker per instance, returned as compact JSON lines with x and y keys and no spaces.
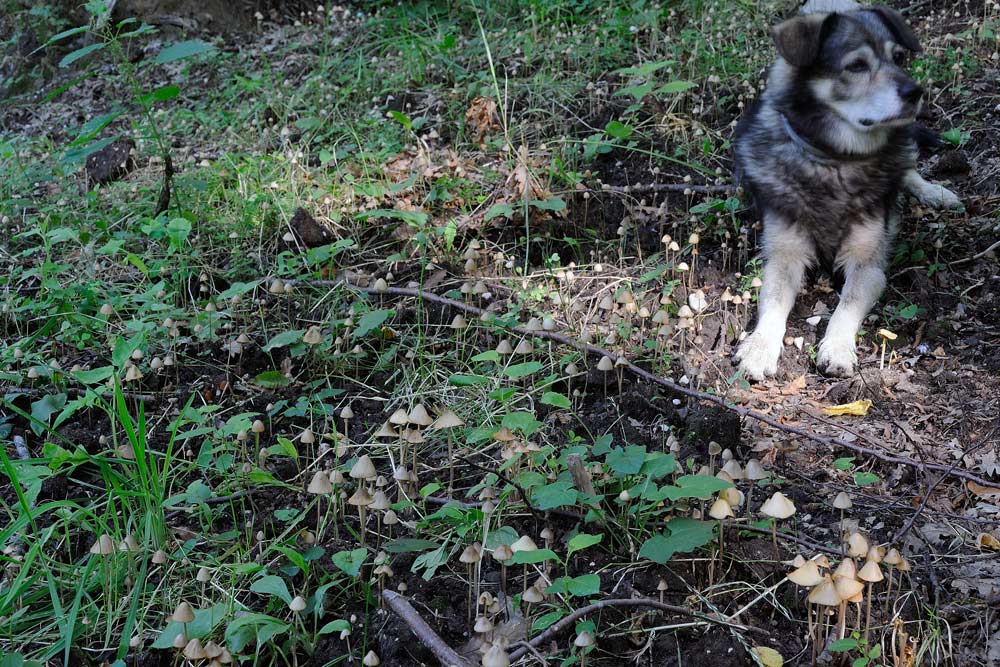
{"x":857,"y":408}
{"x":768,"y":656}
{"x":987,"y":541}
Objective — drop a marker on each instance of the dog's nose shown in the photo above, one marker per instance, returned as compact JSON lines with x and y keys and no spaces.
{"x":910,"y":92}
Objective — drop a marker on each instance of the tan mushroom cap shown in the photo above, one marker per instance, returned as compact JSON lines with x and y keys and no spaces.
{"x":755,"y":471}
{"x":843,"y":501}
{"x":533,"y":595}
{"x":483,"y":625}
{"x":360,"y":498}
{"x":183,"y":613}
{"x":825,"y":593}
{"x":447,"y":419}
{"x":721,"y":510}
{"x":103,"y":546}
{"x":734,"y":469}
{"x":857,"y":545}
{"x":892,"y":557}
{"x":848,"y":588}
{"x":583,"y":640}
{"x":847,"y":569}
{"x":371,"y":660}
{"x":471,"y":554}
{"x":194,"y":650}
{"x":870,"y":572}
{"x":419,"y":415}
{"x":495,"y":656}
{"x":605,"y":364}
{"x":778,"y":506}
{"x":523,"y":543}
{"x":399,"y":417}
{"x":503,"y":553}
{"x":806,"y":575}
{"x":363,"y":468}
{"x":297,"y":604}
{"x":320,"y":483}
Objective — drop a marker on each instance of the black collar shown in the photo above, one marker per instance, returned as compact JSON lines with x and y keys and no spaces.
{"x":814,"y":152}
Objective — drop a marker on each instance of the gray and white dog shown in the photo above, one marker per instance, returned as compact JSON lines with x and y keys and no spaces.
{"x":825,"y":154}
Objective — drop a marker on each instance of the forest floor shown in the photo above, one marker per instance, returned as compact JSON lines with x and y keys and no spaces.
{"x":194,"y":368}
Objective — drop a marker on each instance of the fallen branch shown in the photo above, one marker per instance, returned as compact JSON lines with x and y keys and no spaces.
{"x":445,"y":654}
{"x":663,"y":382}
{"x":76,"y":391}
{"x":668,"y":187}
{"x":568,"y":621}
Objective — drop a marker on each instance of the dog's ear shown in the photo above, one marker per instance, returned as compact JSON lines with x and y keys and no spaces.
{"x":899,"y":28}
{"x":799,"y":39}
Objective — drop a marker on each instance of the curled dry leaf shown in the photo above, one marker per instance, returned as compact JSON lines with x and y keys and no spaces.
{"x":857,"y":408}
{"x":480,"y":117}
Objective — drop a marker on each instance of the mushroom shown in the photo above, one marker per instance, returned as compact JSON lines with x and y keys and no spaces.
{"x":448,"y":421}
{"x":720,"y":511}
{"x":754,"y":472}
{"x":777,"y":507}
{"x":524,"y":543}
{"x":842,"y":502}
{"x":194,"y":650}
{"x":471,"y":556}
{"x":870,"y":573}
{"x":298,"y":604}
{"x":823,"y":595}
{"x":495,"y":656}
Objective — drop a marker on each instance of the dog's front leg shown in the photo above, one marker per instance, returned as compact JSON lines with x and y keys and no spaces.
{"x":930,"y":194}
{"x":862,"y":258}
{"x":787,"y":253}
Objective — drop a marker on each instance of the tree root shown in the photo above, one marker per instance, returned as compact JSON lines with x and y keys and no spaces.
{"x":425,"y":633}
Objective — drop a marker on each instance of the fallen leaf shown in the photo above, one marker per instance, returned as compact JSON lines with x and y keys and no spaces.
{"x":987,"y":541}
{"x":857,"y":408}
{"x":990,"y":492}
{"x":480,"y":117}
{"x":794,"y":387}
{"x":768,"y":656}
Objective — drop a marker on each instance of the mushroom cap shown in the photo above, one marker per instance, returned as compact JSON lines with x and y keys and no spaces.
{"x":360,"y":498}
{"x":605,"y":364}
{"x":825,"y":593}
{"x":183,"y":613}
{"x":204,"y":575}
{"x":755,"y":470}
{"x":504,"y":434}
{"x":504,"y":347}
{"x":524,"y":347}
{"x":307,"y":436}
{"x":733,"y":496}
{"x":857,"y":545}
{"x":714,"y":448}
{"x":471,"y":554}
{"x":721,"y":509}
{"x":533,"y":595}
{"x":583,"y":640}
{"x":193,"y":650}
{"x":371,"y":660}
{"x":495,"y":656}
{"x":103,"y":546}
{"x":870,"y":572}
{"x":399,"y":417}
{"x":483,"y":625}
{"x":904,"y":565}
{"x":180,"y":641}
{"x":419,"y":416}
{"x":848,"y":588}
{"x":297,"y":604}
{"x":778,"y":506}
{"x":734,"y":469}
{"x":806,"y":575}
{"x":523,"y":543}
{"x":447,"y":419}
{"x":412,"y":436}
{"x":662,"y":584}
{"x":320,"y":483}
{"x":380,"y":501}
{"x":847,"y":569}
{"x":842,"y":501}
{"x":363,"y":468}
{"x":503,"y":553}
{"x":892,"y":557}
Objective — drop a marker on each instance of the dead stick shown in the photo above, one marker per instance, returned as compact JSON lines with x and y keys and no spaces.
{"x":568,"y":621}
{"x":445,"y":654}
{"x":646,"y":375}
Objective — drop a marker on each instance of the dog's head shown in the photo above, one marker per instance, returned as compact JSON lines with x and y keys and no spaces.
{"x":854,"y":64}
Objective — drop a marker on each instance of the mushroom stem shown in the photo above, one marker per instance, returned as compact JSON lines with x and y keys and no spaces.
{"x":868,"y":611}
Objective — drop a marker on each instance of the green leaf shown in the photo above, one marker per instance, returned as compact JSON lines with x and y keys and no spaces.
{"x":82,"y":52}
{"x":658,"y":465}
{"x":350,"y":562}
{"x":684,"y":535}
{"x":582,"y":541}
{"x":844,"y":463}
{"x":205,"y":620}
{"x":402,"y":119}
{"x":409,"y":545}
{"x":257,"y":628}
{"x":272,"y":585}
{"x":271,"y":380}
{"x":488,"y":355}
{"x":162,"y":94}
{"x":502,"y":210}
{"x":865,"y":478}
{"x":696,"y":486}
{"x":554,"y":495}
{"x":638,"y":92}
{"x":675,"y":87}
{"x":522,"y":370}
{"x":545,"y":620}
{"x":414,"y":218}
{"x":461,"y":380}
{"x":182,"y":50}
{"x":66,"y":33}
{"x":334,"y":626}
{"x":77,"y":155}
{"x":955,"y":136}
{"x":371,"y":321}
{"x":909,"y":312}
{"x":550,"y":204}
{"x":522,"y":421}
{"x":556,"y":400}
{"x":123,"y":349}
{"x":627,"y":461}
{"x":537,"y":556}
{"x":843,"y":645}
{"x":618,"y":130}
{"x":44,"y":408}
{"x":283,"y":339}
{"x":587,"y":584}
{"x":94,"y":376}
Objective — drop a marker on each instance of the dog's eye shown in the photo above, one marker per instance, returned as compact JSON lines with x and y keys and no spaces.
{"x":857,"y":66}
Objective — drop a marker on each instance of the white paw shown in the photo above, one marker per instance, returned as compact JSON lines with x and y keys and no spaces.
{"x":939,"y":197}
{"x":837,"y":357}
{"x":758,"y":356}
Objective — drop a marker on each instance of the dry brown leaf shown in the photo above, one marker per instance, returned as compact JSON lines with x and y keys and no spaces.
{"x":795,"y":387}
{"x":480,"y":117}
{"x":857,"y":408}
{"x":987,"y":541}
{"x":991,"y":492}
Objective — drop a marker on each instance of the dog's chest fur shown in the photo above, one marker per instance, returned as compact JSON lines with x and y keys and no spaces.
{"x":825,"y":196}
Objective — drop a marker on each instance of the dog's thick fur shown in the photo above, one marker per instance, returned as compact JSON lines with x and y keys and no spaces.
{"x":825,"y":154}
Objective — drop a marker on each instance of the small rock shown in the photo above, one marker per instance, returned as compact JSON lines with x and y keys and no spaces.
{"x":951,"y":163}
{"x":309,"y":232}
{"x":111,"y":162}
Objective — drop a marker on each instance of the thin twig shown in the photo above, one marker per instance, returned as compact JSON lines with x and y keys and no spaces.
{"x":425,"y":633}
{"x":663,"y":382}
{"x":978,"y":255}
{"x":568,"y":621}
